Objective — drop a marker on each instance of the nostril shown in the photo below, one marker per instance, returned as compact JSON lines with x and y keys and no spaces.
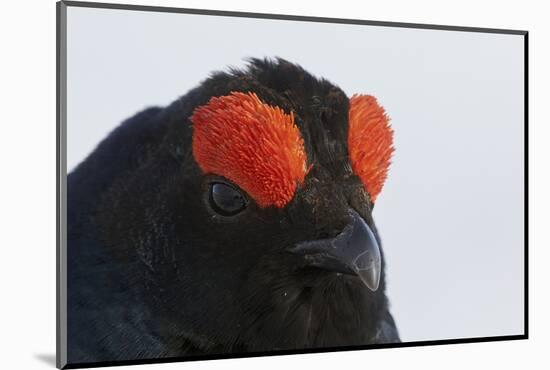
{"x":330,"y":232}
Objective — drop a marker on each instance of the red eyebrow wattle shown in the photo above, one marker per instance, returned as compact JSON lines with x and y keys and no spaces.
{"x":370,"y":142}
{"x":253,"y":144}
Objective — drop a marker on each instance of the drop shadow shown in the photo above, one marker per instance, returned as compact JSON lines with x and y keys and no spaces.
{"x":47,"y":358}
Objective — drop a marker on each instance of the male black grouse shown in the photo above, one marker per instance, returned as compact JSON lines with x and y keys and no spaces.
{"x":237,"y":219}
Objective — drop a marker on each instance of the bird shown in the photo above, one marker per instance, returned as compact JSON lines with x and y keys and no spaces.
{"x":237,"y":219}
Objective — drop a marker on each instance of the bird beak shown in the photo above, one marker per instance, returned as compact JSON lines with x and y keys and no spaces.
{"x":354,"y":251}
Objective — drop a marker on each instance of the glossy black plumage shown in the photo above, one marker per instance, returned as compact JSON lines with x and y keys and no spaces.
{"x":153,"y":271}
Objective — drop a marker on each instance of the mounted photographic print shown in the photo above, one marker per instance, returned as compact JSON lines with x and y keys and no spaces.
{"x":236,"y":184}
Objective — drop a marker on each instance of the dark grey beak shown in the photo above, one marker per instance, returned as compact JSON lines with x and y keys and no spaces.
{"x":353,"y":251}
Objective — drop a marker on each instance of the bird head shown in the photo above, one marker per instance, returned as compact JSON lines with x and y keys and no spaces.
{"x":251,"y":220}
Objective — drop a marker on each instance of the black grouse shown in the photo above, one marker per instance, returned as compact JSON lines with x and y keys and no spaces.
{"x":237,"y":219}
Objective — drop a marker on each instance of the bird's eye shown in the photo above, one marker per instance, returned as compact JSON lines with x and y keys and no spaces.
{"x":226,"y":200}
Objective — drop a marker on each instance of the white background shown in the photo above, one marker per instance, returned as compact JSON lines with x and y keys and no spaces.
{"x":451,"y":213}
{"x":28,"y":200}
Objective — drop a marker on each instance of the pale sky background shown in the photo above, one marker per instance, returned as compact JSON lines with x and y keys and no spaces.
{"x":451,"y":213}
